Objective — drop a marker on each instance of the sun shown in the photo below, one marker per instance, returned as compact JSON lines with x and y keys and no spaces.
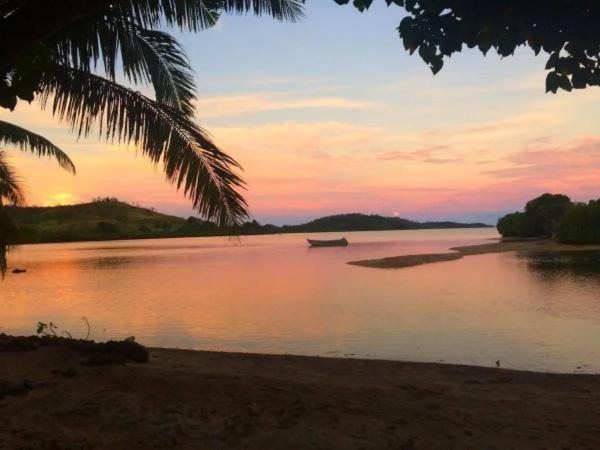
{"x":62,"y":198}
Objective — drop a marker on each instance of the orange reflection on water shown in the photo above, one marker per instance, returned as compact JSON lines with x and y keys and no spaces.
{"x":273,"y":294}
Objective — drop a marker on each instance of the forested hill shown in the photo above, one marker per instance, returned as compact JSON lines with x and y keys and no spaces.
{"x":363,"y":222}
{"x":111,"y":219}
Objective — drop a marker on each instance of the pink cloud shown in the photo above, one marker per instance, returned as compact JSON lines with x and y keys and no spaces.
{"x":435,"y":154}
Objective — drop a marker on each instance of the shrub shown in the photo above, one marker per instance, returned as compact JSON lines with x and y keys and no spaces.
{"x":518,"y":224}
{"x":581,"y":224}
{"x":541,"y":217}
{"x":546,"y":211}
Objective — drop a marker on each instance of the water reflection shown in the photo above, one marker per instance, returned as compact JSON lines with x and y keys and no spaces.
{"x":563,"y":264}
{"x":273,"y":294}
{"x":568,"y":283}
{"x":113,"y":263}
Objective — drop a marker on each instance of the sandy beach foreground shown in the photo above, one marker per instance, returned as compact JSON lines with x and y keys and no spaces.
{"x":500,"y":246}
{"x":204,"y":400}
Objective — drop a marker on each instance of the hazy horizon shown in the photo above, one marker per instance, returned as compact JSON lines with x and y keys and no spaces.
{"x":297,"y":220}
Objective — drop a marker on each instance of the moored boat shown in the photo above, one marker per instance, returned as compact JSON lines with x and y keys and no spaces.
{"x":328,"y":243}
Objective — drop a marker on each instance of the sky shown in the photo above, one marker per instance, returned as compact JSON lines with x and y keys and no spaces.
{"x":332,"y":115}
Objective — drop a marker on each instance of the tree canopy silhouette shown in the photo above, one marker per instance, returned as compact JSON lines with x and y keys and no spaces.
{"x":541,"y":217}
{"x":68,"y":55}
{"x":566,"y":30}
{"x":581,"y":224}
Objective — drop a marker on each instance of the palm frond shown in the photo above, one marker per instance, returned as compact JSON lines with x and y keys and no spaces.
{"x":123,"y":35}
{"x":168,"y":69}
{"x":290,"y":10}
{"x":8,"y":6}
{"x":192,"y":15}
{"x":195,"y":15}
{"x":16,"y":136}
{"x":10,"y":188}
{"x":8,"y":236}
{"x":165,"y":135}
{"x":147,"y":56}
{"x":11,"y":191}
{"x":18,"y":16}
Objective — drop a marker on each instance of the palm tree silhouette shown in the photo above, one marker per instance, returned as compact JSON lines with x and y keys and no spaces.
{"x":68,"y":56}
{"x":10,"y":188}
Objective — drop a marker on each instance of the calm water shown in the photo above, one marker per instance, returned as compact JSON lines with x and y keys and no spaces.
{"x":273,"y":294}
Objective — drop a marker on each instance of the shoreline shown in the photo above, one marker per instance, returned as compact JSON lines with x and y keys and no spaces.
{"x":528,"y":246}
{"x":199,"y":399}
{"x":233,"y":236}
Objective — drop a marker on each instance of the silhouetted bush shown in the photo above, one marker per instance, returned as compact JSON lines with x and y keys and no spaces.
{"x":546,"y":211}
{"x":581,"y":224}
{"x":518,"y":224}
{"x":540,"y":218}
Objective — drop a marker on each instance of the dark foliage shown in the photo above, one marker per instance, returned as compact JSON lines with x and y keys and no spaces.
{"x":363,"y":222}
{"x":9,"y":235}
{"x":545,"y":212}
{"x":93,"y":353}
{"x":581,"y":224}
{"x":566,"y":30}
{"x":540,"y":218}
{"x":67,"y":55}
{"x":518,"y":224}
{"x":107,"y":227}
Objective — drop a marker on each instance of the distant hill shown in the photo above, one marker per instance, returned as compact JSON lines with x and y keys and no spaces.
{"x":111,"y":219}
{"x":363,"y":222}
{"x":101,"y":220}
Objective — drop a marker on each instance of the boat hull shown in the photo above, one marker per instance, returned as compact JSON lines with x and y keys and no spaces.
{"x":331,"y":243}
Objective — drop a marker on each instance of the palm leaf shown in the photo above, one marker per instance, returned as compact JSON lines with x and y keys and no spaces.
{"x":27,"y":141}
{"x":192,"y":15}
{"x":123,"y":33}
{"x":8,"y":236}
{"x":195,"y":15}
{"x":169,"y":70}
{"x":165,"y":135}
{"x":8,"y":6}
{"x":290,"y":10}
{"x":10,"y":189}
{"x":146,"y":56}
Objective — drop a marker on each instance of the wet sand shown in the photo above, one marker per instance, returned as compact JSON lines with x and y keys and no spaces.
{"x":541,"y":245}
{"x":205,"y":400}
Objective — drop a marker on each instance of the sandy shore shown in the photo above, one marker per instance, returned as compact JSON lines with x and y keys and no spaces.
{"x":203,"y":400}
{"x":542,"y":245}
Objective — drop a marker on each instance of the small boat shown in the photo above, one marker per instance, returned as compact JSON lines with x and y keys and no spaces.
{"x":331,"y":243}
{"x":19,"y":271}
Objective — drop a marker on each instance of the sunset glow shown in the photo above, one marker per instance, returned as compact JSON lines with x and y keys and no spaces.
{"x":319,"y":132}
{"x":60,"y":199}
